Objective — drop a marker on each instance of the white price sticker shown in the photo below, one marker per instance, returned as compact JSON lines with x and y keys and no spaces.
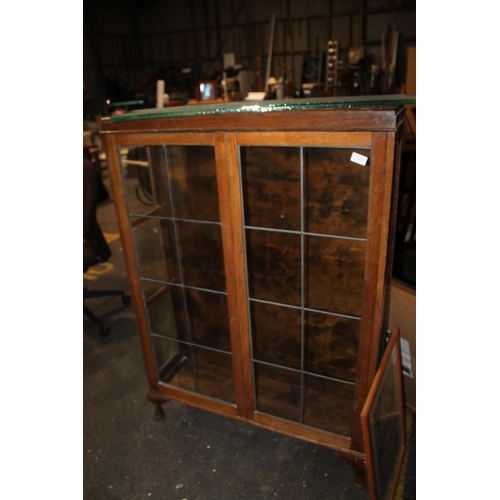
{"x":357,"y":158}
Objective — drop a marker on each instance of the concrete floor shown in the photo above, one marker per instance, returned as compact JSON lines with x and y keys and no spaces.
{"x":192,"y":454}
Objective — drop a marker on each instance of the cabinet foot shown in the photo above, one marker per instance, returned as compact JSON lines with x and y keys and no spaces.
{"x":359,"y":466}
{"x":158,"y":401}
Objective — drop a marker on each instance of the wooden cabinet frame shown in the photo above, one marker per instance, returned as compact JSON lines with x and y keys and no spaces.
{"x":378,"y":129}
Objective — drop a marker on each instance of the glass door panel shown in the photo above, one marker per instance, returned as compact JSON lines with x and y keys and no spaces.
{"x":276,"y":334}
{"x":172,"y":200}
{"x":334,"y":274}
{"x":337,"y":198}
{"x":277,"y":391}
{"x":271,"y":187}
{"x":305,"y":216}
{"x":156,"y":249}
{"x":328,"y":404}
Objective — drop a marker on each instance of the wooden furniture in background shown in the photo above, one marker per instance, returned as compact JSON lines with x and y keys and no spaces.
{"x":259,"y":272}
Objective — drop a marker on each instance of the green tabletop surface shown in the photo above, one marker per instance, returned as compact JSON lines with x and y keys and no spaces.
{"x":314,"y":103}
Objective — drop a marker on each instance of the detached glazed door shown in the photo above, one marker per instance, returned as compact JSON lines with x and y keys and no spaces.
{"x":172,"y":203}
{"x":306,"y":200}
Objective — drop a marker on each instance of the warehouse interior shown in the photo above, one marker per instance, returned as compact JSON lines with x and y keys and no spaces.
{"x":278,"y":49}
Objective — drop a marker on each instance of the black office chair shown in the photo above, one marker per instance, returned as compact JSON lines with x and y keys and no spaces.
{"x":95,"y":247}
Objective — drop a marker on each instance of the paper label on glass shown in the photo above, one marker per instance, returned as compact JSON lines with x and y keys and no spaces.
{"x":357,"y":158}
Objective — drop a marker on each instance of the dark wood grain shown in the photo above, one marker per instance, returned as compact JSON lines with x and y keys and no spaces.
{"x":276,"y":334}
{"x":193,"y":182}
{"x":208,"y":319}
{"x":274,"y":266}
{"x":201,"y":255}
{"x":328,"y":405}
{"x":277,"y":391}
{"x":214,"y":372}
{"x":335,"y":274}
{"x":271,"y":186}
{"x":336,"y":192}
{"x":331,"y":345}
{"x":345,"y":276}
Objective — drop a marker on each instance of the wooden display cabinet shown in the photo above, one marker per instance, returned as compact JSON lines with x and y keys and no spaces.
{"x":258,"y":248}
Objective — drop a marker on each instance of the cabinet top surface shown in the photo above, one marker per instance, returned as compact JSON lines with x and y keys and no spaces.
{"x":373,"y":103}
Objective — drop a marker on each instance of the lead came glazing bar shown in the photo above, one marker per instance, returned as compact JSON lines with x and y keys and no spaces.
{"x":306,"y":233}
{"x":305,"y":372}
{"x":307,"y":309}
{"x":180,"y":285}
{"x":302,"y":280}
{"x":174,"y":219}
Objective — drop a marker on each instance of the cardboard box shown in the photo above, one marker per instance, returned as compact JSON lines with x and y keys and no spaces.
{"x":402,"y":314}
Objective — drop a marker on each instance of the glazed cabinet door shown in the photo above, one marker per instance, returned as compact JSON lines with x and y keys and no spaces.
{"x":171,"y":219}
{"x":306,"y":201}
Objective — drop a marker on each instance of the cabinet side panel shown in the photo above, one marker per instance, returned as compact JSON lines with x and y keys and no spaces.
{"x":373,"y":288}
{"x":130,"y":262}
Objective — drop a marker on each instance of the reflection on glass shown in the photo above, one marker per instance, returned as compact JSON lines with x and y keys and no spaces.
{"x":165,"y":310}
{"x":155,"y":249}
{"x":194,"y":182}
{"x":271,"y":186}
{"x":277,"y":391}
{"x":200,"y":247}
{"x":276,"y":333}
{"x":274,"y":266}
{"x":173,"y":362}
{"x":331,"y":345}
{"x":214,"y":372}
{"x":336,"y":192}
{"x":328,"y":404}
{"x":208,"y":319}
{"x":145,"y":178}
{"x":172,"y":200}
{"x":386,"y":429}
{"x":335,"y":274}
{"x":290,"y":262}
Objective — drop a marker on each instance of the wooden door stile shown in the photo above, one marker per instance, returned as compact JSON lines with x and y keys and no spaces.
{"x":130,"y":260}
{"x":241,"y":297}
{"x":370,"y":316}
{"x":235,"y":324}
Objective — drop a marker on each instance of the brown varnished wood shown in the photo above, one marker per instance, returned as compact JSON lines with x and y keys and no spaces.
{"x":305,"y":138}
{"x":129,"y":258}
{"x":197,"y":400}
{"x":394,"y":148}
{"x":171,"y":138}
{"x":315,"y":436}
{"x":343,"y":120}
{"x":372,"y":289}
{"x":240,"y":276}
{"x":350,"y":211}
{"x":235,"y":320}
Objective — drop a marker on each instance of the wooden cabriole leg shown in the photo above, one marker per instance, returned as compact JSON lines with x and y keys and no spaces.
{"x":158,"y":401}
{"x":359,"y":466}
